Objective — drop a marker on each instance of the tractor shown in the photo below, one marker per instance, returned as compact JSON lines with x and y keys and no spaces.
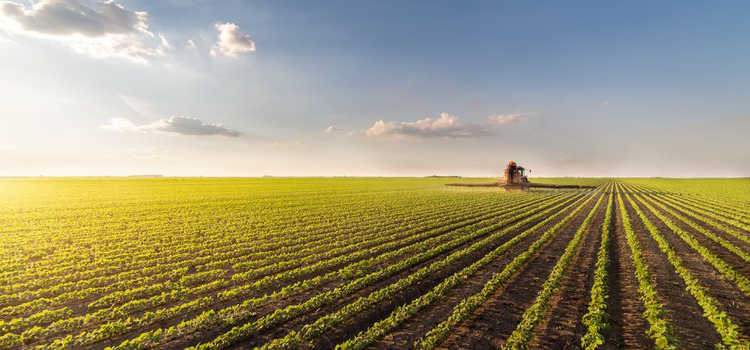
{"x":514,"y":174}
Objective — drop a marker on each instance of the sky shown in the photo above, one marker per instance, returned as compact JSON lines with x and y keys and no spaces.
{"x":378,"y":88}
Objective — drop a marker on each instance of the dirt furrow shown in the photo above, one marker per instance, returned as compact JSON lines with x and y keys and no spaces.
{"x":731,"y":300}
{"x":343,"y":332}
{"x":194,"y":338}
{"x":493,"y":322}
{"x":270,"y":308}
{"x":428,"y":318}
{"x":627,"y":327}
{"x":563,"y":326}
{"x":740,"y":265}
{"x":721,"y":218}
{"x":736,"y":262}
{"x":691,"y":328}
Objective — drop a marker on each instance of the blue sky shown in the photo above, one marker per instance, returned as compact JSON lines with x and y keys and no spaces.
{"x":585,"y":88}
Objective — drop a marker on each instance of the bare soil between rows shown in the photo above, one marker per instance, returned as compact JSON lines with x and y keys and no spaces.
{"x":730,"y":299}
{"x":267,"y":335}
{"x":416,"y":327}
{"x":494,"y":321}
{"x":737,"y":263}
{"x":627,"y":328}
{"x":690,"y":327}
{"x":563,"y":326}
{"x":223,"y":304}
{"x":353,"y":326}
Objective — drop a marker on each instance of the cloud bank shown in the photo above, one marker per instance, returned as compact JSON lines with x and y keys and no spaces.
{"x":231,"y":41}
{"x":446,"y":126}
{"x":101,"y":29}
{"x":174,"y":125}
{"x":502,"y":119}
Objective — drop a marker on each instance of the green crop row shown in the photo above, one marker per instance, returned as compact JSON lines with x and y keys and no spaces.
{"x":595,"y":319}
{"x":707,"y":211}
{"x":467,"y":306}
{"x":208,"y":255}
{"x":175,"y":290}
{"x":127,"y":259}
{"x":403,"y":313}
{"x":538,"y":310}
{"x":314,"y":329}
{"x":705,"y":201}
{"x":70,"y":267}
{"x":151,"y":317}
{"x":721,"y":321}
{"x":716,"y":238}
{"x":710,"y":219}
{"x":730,"y":274}
{"x":660,"y":329}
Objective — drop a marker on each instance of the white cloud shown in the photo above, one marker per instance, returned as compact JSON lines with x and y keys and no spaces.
{"x":174,"y":125}
{"x":231,"y":41}
{"x":190,"y":44}
{"x":502,"y":119}
{"x":163,"y":42}
{"x":447,"y":126}
{"x":101,"y":29}
{"x":332,"y":129}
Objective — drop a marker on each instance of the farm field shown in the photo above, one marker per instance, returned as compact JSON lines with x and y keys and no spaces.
{"x":373,"y":263}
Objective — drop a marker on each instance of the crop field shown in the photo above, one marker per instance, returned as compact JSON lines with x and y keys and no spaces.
{"x":373,"y":263}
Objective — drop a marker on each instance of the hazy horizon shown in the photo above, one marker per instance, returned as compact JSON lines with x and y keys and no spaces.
{"x":387,"y":88}
{"x":158,"y":176}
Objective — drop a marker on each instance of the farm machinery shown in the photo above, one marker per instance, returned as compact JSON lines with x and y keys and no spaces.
{"x":515,"y":179}
{"x":513,"y":174}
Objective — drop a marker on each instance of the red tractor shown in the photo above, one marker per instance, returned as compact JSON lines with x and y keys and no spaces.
{"x":514,"y":174}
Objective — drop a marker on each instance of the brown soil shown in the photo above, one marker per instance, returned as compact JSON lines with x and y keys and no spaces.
{"x":627,"y":328}
{"x":720,"y":209}
{"x":223,"y":304}
{"x":411,"y":331}
{"x":692,"y":212}
{"x":381,"y":310}
{"x":299,"y":322}
{"x":736,"y":262}
{"x":563,"y":326}
{"x":730,"y":299}
{"x":744,"y":267}
{"x":691,"y":328}
{"x":372,"y":225}
{"x":494,"y":321}
{"x":405,"y":335}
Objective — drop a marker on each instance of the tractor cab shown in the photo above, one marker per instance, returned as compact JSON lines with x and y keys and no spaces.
{"x":514,"y":174}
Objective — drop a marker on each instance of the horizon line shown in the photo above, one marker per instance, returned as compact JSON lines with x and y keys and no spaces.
{"x":156,"y":176}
